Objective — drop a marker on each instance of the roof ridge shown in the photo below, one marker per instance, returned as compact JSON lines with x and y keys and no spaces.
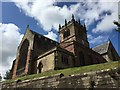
{"x":42,"y":35}
{"x":101,"y":44}
{"x":102,"y":48}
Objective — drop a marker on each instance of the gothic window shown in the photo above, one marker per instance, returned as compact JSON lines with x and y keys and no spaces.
{"x":23,"y":55}
{"x":65,"y":59}
{"x":81,"y":57}
{"x":40,"y":66}
{"x":66,"y":33}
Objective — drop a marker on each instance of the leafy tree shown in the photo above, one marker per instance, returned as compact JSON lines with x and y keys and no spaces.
{"x":118,"y":30}
{"x":0,"y":77}
{"x":8,"y":75}
{"x":118,"y":25}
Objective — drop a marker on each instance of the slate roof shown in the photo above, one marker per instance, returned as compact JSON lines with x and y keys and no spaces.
{"x":102,"y":48}
{"x":44,"y":37}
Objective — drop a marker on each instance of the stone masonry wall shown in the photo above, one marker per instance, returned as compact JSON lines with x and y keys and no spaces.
{"x":97,"y":79}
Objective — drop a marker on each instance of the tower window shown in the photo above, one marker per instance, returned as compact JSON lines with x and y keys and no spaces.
{"x":66,"y":33}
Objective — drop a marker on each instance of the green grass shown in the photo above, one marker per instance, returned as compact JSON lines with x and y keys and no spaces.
{"x":70,"y":71}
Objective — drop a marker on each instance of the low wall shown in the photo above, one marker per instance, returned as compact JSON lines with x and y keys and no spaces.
{"x":97,"y":79}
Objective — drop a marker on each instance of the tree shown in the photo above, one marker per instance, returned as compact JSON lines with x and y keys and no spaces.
{"x":8,"y":75}
{"x":118,"y":30}
{"x":118,"y":25}
{"x":0,"y":77}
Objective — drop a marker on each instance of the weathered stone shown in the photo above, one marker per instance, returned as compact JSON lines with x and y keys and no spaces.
{"x":101,"y":80}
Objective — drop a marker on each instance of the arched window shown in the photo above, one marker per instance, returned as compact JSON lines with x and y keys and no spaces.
{"x":66,"y":33}
{"x":81,"y":57}
{"x":40,"y":66}
{"x":23,"y":55}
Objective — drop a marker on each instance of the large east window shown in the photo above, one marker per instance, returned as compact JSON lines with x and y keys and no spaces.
{"x":23,"y":55}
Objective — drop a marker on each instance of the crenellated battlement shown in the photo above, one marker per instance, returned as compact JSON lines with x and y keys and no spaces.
{"x":72,"y":21}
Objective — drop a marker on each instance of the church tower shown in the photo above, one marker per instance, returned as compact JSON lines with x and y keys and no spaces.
{"x":73,"y":36}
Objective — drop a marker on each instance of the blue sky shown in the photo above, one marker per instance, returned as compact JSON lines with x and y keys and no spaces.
{"x":44,"y":18}
{"x":12,"y":14}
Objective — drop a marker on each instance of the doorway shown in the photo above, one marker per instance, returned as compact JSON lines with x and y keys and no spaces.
{"x":40,"y":66}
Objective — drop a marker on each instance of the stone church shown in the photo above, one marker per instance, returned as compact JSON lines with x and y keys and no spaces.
{"x":37,"y":54}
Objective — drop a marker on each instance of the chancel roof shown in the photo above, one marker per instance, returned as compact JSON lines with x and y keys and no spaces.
{"x":102,"y":48}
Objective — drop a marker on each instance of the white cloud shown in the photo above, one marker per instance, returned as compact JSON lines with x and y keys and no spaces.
{"x":98,"y":39}
{"x":106,"y":25}
{"x":95,"y":11}
{"x":10,"y":40}
{"x":89,"y":36}
{"x":49,"y":15}
{"x":46,"y":13}
{"x":51,"y":35}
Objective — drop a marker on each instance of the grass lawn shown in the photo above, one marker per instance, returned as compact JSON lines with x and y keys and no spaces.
{"x":70,"y":71}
